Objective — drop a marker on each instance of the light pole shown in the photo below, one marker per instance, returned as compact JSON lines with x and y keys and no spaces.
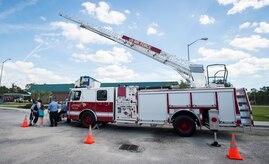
{"x":188,"y":46}
{"x":3,"y":68}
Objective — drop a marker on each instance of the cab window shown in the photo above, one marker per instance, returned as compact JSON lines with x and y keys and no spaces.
{"x":76,"y":95}
{"x":101,"y":95}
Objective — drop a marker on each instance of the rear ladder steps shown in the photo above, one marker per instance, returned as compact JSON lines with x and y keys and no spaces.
{"x":244,"y":108}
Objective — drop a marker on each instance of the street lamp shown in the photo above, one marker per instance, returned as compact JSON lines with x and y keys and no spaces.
{"x":3,"y":68}
{"x":191,"y":44}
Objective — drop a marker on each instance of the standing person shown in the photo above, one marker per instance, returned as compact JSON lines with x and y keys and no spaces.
{"x":53,"y":111}
{"x":34,"y":112}
{"x":41,"y":115}
{"x":63,"y":110}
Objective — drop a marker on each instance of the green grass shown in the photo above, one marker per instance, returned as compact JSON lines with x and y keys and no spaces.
{"x":260,"y":113}
{"x":13,"y":104}
{"x":19,"y":105}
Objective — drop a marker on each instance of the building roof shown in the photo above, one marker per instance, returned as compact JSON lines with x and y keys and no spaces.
{"x":51,"y":87}
{"x":66,"y":87}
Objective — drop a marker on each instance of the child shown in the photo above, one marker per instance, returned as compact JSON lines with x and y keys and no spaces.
{"x":41,"y":115}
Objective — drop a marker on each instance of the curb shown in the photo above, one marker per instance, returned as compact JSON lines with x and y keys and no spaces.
{"x":261,"y":124}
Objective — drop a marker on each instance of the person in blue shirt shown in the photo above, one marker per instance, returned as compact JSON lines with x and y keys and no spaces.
{"x":63,"y":110}
{"x":34,"y":112}
{"x":53,"y":112}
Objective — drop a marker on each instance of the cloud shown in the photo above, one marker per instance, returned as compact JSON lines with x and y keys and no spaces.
{"x":241,"y":5}
{"x":72,"y":32}
{"x":205,"y":19}
{"x":245,"y":25}
{"x":108,"y":28}
{"x":80,"y":46}
{"x":23,"y":73}
{"x":224,"y":54}
{"x":133,"y":26}
{"x":249,"y":66}
{"x":103,"y":13}
{"x":116,"y":72}
{"x":127,"y":11}
{"x":43,"y":18}
{"x":17,"y":7}
{"x":248,"y":25}
{"x":251,"y":43}
{"x":262,"y":28}
{"x":152,"y":30}
{"x":8,"y":28}
{"x":116,"y":56}
{"x":43,"y":44}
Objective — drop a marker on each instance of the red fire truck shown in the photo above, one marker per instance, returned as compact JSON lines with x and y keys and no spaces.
{"x":207,"y":103}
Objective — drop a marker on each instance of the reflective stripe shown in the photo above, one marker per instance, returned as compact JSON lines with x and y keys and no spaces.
{"x":233,"y":145}
{"x":102,"y":114}
{"x":74,"y":113}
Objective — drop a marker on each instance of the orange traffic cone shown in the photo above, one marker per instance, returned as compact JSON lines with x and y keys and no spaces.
{"x":233,"y":152}
{"x":25,"y":123}
{"x":89,"y":139}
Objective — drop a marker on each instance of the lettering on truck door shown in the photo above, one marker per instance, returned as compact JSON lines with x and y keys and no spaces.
{"x":104,"y":105}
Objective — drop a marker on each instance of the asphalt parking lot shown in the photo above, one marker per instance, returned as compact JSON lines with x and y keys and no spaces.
{"x":64,"y":144}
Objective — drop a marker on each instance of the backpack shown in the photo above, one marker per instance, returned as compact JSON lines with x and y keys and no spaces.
{"x":35,"y":107}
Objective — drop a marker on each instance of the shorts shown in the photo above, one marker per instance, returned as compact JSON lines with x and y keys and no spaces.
{"x":41,"y":116}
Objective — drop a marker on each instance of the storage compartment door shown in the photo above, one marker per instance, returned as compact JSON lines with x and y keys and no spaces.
{"x":203,"y":99}
{"x":152,"y":107}
{"x":226,"y":107}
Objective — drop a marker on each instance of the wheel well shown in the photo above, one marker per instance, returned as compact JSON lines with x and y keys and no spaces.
{"x":87,"y":110}
{"x":188,"y":113}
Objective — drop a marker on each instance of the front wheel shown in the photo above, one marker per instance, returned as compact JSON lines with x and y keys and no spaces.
{"x":87,"y":119}
{"x":184,"y":125}
{"x":68,"y":120}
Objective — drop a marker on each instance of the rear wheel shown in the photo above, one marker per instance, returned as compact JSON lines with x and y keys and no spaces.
{"x":87,"y":119}
{"x":184,"y":125}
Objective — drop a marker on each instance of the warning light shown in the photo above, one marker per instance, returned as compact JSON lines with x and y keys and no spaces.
{"x":214,"y":119}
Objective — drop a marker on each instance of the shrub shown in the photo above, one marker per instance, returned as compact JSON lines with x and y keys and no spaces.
{"x":27,"y":106}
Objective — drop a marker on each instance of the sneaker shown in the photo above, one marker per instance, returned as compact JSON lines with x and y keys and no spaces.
{"x":30,"y":124}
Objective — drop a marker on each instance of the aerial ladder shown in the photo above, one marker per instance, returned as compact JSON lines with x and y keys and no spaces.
{"x":183,"y":67}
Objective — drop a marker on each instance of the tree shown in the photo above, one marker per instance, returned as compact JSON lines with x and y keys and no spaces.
{"x":14,"y":89}
{"x":183,"y":85}
{"x":28,"y":86}
{"x":3,"y":89}
{"x":41,"y":95}
{"x":259,"y":97}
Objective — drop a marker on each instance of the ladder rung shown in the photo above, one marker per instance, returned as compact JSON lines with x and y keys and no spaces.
{"x":245,"y":118}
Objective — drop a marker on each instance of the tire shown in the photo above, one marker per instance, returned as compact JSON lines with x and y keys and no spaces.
{"x":184,"y":125}
{"x":68,"y":120}
{"x":87,"y":119}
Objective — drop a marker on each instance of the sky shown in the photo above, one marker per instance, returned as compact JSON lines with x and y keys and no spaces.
{"x":45,"y":48}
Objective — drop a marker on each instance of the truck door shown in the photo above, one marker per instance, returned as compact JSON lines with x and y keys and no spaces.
{"x":104,"y":104}
{"x":74,"y":104}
